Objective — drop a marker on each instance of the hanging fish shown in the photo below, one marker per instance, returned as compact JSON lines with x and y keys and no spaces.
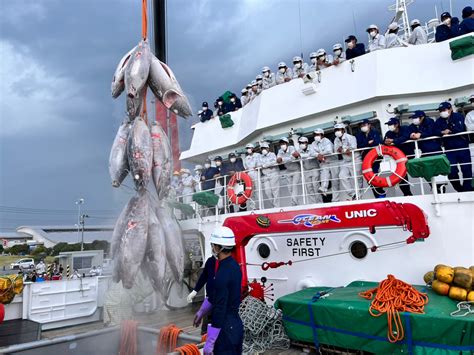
{"x":139,"y":151}
{"x":161,"y":171}
{"x":119,"y":228}
{"x":118,"y":82}
{"x":134,"y":105}
{"x":137,"y":70}
{"x":118,"y":161}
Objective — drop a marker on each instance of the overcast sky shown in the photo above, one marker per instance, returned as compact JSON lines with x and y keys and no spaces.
{"x":57,"y":58}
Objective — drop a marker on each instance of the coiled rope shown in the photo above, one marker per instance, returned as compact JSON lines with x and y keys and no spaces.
{"x":393,"y":296}
{"x":128,"y":338}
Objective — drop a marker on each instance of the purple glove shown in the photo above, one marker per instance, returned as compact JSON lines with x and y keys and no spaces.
{"x":206,"y":307}
{"x":212,"y":334}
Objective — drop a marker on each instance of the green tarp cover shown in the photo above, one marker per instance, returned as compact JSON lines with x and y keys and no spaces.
{"x":186,"y":209}
{"x":429,"y":166}
{"x":342,"y":319}
{"x":462,"y":47}
{"x":206,"y":198}
{"x":226,"y":121}
{"x":226,"y":96}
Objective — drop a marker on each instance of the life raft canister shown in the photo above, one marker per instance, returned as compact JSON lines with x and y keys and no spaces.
{"x":379,"y":181}
{"x":240,"y":198}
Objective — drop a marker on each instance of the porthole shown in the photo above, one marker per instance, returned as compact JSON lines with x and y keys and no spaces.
{"x":358,"y":249}
{"x":263,"y":250}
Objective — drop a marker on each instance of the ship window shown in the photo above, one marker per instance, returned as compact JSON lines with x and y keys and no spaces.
{"x":82,"y":262}
{"x":263,"y":250}
{"x":358,"y":249}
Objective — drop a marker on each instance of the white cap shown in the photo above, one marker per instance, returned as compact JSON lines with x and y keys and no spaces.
{"x":319,"y":131}
{"x":339,"y":126}
{"x":297,"y":58}
{"x":281,"y":64}
{"x":250,"y":145}
{"x":303,"y":140}
{"x":320,"y":52}
{"x":185,"y":171}
{"x":243,"y":91}
{"x":313,"y":55}
{"x":337,"y":46}
{"x":198,"y":167}
{"x":264,"y":145}
{"x":415,"y":22}
{"x":253,"y":83}
{"x":284,"y":139}
{"x":223,"y":236}
{"x":264,"y":69}
{"x":372,"y":27}
{"x":259,"y":77}
{"x":393,"y":26}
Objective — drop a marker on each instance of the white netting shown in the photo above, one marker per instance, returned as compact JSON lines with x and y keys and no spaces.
{"x":263,"y":327}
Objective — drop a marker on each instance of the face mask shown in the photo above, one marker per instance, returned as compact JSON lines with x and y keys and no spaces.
{"x":204,"y":108}
{"x":283,"y":147}
{"x":350,"y":45}
{"x":391,"y":128}
{"x":338,"y":52}
{"x":264,"y":151}
{"x":267,"y":74}
{"x":298,"y":65}
{"x":416,"y":121}
{"x":338,"y":134}
{"x":322,"y":58}
{"x":218,"y":163}
{"x":232,"y":160}
{"x":313,"y":60}
{"x":282,"y":70}
{"x":207,"y":165}
{"x":249,"y":150}
{"x":198,"y":172}
{"x":232,"y":100}
{"x":364,"y":129}
{"x":373,"y":33}
{"x":220,"y":103}
{"x":447,"y":21}
{"x":303,"y":146}
{"x":444,"y":114}
{"x":317,"y":138}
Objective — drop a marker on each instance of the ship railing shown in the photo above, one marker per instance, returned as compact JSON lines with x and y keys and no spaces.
{"x":300,"y":187}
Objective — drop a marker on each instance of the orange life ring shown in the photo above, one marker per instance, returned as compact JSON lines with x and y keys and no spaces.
{"x":379,"y":181}
{"x":238,"y":199}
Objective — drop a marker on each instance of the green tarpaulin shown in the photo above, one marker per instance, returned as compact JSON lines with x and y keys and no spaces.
{"x":462,"y":47}
{"x":226,"y":121}
{"x":226,"y":96}
{"x":186,"y":209}
{"x":429,"y":166}
{"x":206,"y":198}
{"x":342,"y":319}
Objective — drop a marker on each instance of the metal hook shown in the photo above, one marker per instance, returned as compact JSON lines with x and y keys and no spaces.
{"x":319,"y":76}
{"x":352,"y":65}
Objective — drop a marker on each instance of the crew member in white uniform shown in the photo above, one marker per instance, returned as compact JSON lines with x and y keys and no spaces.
{"x":197,"y":177}
{"x":244,"y":99}
{"x":268,"y":78}
{"x":323,"y":59}
{"x":284,"y":74}
{"x":288,"y":156}
{"x":300,"y":69}
{"x":376,"y":41}
{"x":314,"y":59}
{"x":251,"y":165}
{"x":323,"y":151}
{"x":270,"y":175}
{"x":469,"y":121}
{"x":310,"y":171}
{"x":344,"y":144}
{"x":188,"y":185}
{"x":418,"y":34}
{"x":339,"y":55}
{"x":391,"y":39}
{"x":259,"y":80}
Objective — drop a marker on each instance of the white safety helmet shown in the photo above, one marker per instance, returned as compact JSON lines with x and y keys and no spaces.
{"x":253,"y":83}
{"x":264,"y":145}
{"x":336,"y":47}
{"x":415,"y":22}
{"x":198,"y":167}
{"x":320,"y":52}
{"x":302,"y":140}
{"x":259,"y":77}
{"x":318,"y":131}
{"x":250,"y":145}
{"x":297,"y":58}
{"x":265,"y":69}
{"x":339,"y":126}
{"x":244,"y":91}
{"x":284,"y":139}
{"x":372,"y":27}
{"x":223,"y":236}
{"x":393,"y":26}
{"x":312,"y":55}
{"x":282,"y":65}
{"x":249,"y":86}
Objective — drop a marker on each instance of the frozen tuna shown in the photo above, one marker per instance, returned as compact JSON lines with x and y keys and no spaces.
{"x":118,"y":161}
{"x":137,"y":70}
{"x":139,"y":151}
{"x":161,"y":160}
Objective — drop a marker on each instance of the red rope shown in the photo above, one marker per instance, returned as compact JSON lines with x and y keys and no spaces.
{"x":128,"y":338}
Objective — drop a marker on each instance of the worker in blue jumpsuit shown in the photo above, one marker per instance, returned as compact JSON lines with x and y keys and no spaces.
{"x":424,"y":127}
{"x":456,"y":147}
{"x":226,"y":334}
{"x":354,"y":49}
{"x":449,"y":27}
{"x":234,"y":103}
{"x":206,"y":114}
{"x":467,"y":24}
{"x":366,"y":138}
{"x":396,"y":136}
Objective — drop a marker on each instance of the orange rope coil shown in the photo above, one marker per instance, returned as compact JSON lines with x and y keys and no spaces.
{"x":393,"y":296}
{"x":188,"y":349}
{"x":167,"y":339}
{"x":128,"y":338}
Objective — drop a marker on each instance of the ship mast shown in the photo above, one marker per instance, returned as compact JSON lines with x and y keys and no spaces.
{"x":401,"y":17}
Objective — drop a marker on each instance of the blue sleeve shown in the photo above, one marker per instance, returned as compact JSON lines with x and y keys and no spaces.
{"x":404,"y":136}
{"x":439,"y":125}
{"x":360,"y":47}
{"x":377,"y":138}
{"x":442,"y":33}
{"x":428,"y":129}
{"x":221,"y":295}
{"x":361,"y":142}
{"x":205,"y":274}
{"x":456,"y":124}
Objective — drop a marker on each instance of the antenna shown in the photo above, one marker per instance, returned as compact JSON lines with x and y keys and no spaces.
{"x":301,"y":37}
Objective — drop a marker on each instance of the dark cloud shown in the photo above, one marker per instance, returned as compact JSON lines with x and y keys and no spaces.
{"x":59,"y":121}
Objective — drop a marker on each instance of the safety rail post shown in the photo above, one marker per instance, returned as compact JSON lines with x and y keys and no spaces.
{"x":259,"y":189}
{"x":225,"y":195}
{"x":303,"y":185}
{"x":219,"y":195}
{"x":417,"y":155}
{"x":356,"y":185}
